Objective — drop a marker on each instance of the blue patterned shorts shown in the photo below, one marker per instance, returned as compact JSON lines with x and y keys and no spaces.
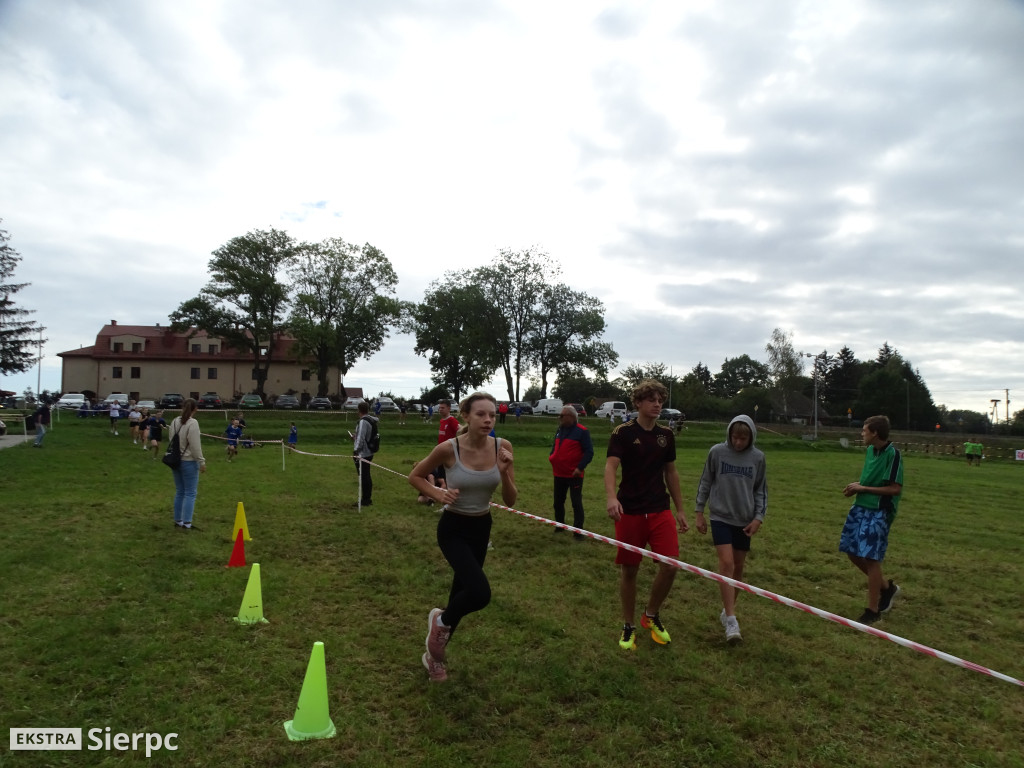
{"x":866,"y":533}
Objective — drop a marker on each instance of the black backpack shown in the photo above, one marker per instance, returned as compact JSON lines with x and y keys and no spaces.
{"x":373,"y":441}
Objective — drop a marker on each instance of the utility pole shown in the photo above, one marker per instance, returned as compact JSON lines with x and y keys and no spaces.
{"x":1007,"y":405}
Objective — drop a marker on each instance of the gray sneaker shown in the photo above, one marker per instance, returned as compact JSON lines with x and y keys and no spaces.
{"x":721,"y":617}
{"x":732,"y":630}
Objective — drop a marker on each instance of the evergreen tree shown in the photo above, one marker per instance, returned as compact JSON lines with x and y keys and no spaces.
{"x":19,"y":336}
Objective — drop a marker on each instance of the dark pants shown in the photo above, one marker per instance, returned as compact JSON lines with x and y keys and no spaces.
{"x":463,"y":542}
{"x":365,"y":480}
{"x":574,"y":486}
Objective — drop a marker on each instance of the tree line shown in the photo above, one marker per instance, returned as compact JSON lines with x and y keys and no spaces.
{"x":845,"y":388}
{"x":338,"y":301}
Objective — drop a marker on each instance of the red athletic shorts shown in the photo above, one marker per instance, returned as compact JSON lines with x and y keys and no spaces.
{"x":658,"y":530}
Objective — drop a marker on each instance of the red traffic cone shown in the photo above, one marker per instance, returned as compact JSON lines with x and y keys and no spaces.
{"x":238,"y":553}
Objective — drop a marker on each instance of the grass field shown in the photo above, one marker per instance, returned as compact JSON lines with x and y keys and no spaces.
{"x":109,"y":617}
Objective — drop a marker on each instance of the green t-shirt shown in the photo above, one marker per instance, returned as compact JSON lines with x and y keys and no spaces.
{"x":882,"y":466}
{"x":972,"y":449}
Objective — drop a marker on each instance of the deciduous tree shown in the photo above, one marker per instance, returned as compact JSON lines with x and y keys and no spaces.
{"x":344,"y":305}
{"x":245,"y":301}
{"x":566,"y":335}
{"x":449,"y":333}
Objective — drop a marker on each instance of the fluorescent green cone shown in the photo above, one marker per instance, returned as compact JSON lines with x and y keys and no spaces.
{"x":251,"y":610}
{"x":312,"y":716}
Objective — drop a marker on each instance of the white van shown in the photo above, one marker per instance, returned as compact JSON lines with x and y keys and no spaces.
{"x":611,"y":408}
{"x":548,"y":406}
{"x":71,"y":401}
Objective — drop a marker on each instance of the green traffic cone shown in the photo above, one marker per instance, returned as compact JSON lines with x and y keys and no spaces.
{"x":312,"y":717}
{"x":251,"y":610}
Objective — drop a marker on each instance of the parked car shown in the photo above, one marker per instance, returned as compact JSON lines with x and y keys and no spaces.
{"x":172,"y":400}
{"x":210,"y":400}
{"x":525,"y":408}
{"x":121,"y":397}
{"x":147,"y":404}
{"x":552,"y":406}
{"x":286,"y":402}
{"x":320,"y":404}
{"x":611,"y":407}
{"x":71,"y":401}
{"x":580,"y":410}
{"x":668,"y":414}
{"x":250,"y":401}
{"x":387,"y":404}
{"x":351,"y":403}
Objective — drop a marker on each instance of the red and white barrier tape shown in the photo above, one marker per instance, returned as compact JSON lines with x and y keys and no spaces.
{"x":926,"y":650}
{"x":778,"y":599}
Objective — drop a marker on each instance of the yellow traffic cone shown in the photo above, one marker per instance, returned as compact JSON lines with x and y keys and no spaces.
{"x":251,"y":610}
{"x":312,"y":718}
{"x":240,"y":524}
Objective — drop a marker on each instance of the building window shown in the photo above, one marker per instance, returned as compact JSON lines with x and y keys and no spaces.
{"x":117,"y":372}
{"x":306,"y":375}
{"x":118,"y":346}
{"x":211,"y":373}
{"x":136,"y":346}
{"x":136,"y":372}
{"x":213,"y":349}
{"x":197,"y":348}
{"x":195,"y":373}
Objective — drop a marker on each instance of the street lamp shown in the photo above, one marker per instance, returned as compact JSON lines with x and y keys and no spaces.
{"x":814,"y":376}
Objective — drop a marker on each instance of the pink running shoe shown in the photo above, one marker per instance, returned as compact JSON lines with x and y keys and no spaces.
{"x":436,"y":670}
{"x":437,"y":636}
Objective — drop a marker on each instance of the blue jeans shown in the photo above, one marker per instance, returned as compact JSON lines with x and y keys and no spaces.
{"x":40,"y":431}
{"x":186,"y":484}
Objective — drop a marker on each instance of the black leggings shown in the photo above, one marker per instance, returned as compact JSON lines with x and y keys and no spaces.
{"x":463,"y":541}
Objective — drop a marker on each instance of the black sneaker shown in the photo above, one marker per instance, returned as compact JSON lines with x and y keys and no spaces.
{"x":885,"y":599}
{"x":869,"y":616}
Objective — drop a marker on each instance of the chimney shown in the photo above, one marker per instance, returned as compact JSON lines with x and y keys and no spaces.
{"x":113,"y":322}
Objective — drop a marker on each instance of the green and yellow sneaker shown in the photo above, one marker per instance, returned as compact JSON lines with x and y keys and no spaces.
{"x":658,"y":632}
{"x":627,"y":641}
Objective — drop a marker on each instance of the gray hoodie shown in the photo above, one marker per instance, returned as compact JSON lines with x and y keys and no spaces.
{"x":733,"y":484}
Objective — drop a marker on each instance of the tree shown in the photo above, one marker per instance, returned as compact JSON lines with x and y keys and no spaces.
{"x":512,"y":286}
{"x":244,"y":302}
{"x":565,"y":336}
{"x":344,"y":304}
{"x":784,"y":364}
{"x":449,"y":333}
{"x":632,"y":375}
{"x":18,"y":335}
{"x":839,"y":384}
{"x":703,"y":375}
{"x":737,"y":373}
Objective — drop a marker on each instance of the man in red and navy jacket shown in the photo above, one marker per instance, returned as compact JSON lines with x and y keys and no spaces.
{"x":570,"y":454}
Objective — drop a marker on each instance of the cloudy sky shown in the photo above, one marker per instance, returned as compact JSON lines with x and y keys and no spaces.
{"x":852,"y":172}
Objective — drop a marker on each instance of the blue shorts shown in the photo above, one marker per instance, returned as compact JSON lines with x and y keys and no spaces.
{"x":723,"y":533}
{"x":866,"y":533}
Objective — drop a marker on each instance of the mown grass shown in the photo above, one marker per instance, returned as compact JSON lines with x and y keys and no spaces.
{"x":110,"y":617}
